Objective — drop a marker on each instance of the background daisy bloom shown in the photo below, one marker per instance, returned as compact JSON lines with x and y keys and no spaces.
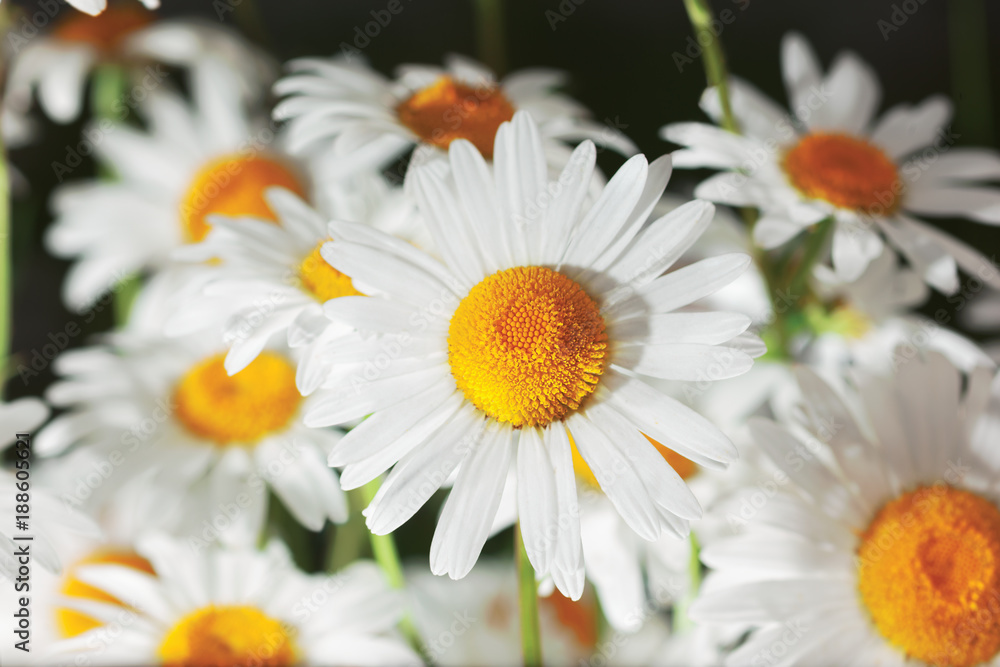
{"x":368,"y":119}
{"x":276,"y":269}
{"x":531,"y":329}
{"x":882,"y":545}
{"x":195,"y":161}
{"x":49,"y":518}
{"x":167,"y":410}
{"x":59,"y":63}
{"x":242,"y":608}
{"x":827,"y":158}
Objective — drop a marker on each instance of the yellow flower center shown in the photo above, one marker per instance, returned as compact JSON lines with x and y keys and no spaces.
{"x":104,"y":32}
{"x":845,"y":171}
{"x":228,"y":636}
{"x":71,"y":622}
{"x":324,"y":281}
{"x":238,"y":409}
{"x":447,"y":110}
{"x":682,"y":466}
{"x":929,"y":574}
{"x":526,"y":345}
{"x":233,"y":186}
{"x":839,"y":318}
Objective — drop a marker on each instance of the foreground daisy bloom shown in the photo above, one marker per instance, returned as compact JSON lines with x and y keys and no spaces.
{"x":530,"y":333}
{"x":878,"y":539}
{"x":209,"y":445}
{"x":367,"y":119}
{"x":240,"y":608}
{"x":209,"y":158}
{"x":829,"y":158}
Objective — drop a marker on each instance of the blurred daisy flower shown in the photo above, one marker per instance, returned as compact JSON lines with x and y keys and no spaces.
{"x":59,"y":63}
{"x":829,"y":158}
{"x":215,"y":443}
{"x":196,"y":161}
{"x":367,"y":120}
{"x":532,"y":330}
{"x":877,"y":541}
{"x":242,"y":608}
{"x":272,"y":282}
{"x":49,"y":518}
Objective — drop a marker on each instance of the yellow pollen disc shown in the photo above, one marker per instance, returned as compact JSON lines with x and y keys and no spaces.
{"x":682,"y":466}
{"x":929,"y":574}
{"x":71,"y":622}
{"x":228,"y":636}
{"x":845,"y":171}
{"x":234,"y":186}
{"x":526,"y":345}
{"x":324,"y":281}
{"x":104,"y":32}
{"x":447,"y":110}
{"x":239,"y":409}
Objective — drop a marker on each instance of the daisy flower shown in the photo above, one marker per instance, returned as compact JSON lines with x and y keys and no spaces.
{"x":830,"y":158}
{"x":876,"y":542}
{"x":100,"y":7}
{"x":58,"y":64}
{"x":49,"y":519}
{"x":531,"y":331}
{"x":240,"y":607}
{"x":271,"y":281}
{"x":209,"y":158}
{"x":366,"y":118}
{"x":215,"y":443}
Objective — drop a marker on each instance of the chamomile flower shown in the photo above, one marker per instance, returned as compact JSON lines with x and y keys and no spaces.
{"x":241,"y":608}
{"x":271,"y":282}
{"x":100,"y":7}
{"x":365,"y":118}
{"x":48,"y":518}
{"x":830,"y":158}
{"x":209,"y":158}
{"x":59,"y":63}
{"x":531,"y":331}
{"x":216,"y":442}
{"x":876,"y":544}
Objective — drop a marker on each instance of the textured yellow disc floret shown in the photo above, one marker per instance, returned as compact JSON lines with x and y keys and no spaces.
{"x":239,"y":409}
{"x":929,"y":574}
{"x":526,"y":345}
{"x":104,"y":32}
{"x":682,"y":466}
{"x":447,"y":110}
{"x":845,"y":171}
{"x":324,"y":281}
{"x":228,"y":636}
{"x":233,"y":186}
{"x":71,"y":622}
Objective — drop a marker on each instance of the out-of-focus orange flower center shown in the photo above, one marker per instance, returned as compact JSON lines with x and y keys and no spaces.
{"x":104,"y":32}
{"x":929,"y":574}
{"x":447,"y":110}
{"x":845,"y":171}
{"x":234,"y":186}
{"x":71,"y":622}
{"x":237,"y":409}
{"x":228,"y":636}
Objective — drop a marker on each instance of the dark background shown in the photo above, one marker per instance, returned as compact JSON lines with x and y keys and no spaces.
{"x":620,"y":56}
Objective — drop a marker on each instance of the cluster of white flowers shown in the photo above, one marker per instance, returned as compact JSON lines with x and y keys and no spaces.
{"x":719,"y":441}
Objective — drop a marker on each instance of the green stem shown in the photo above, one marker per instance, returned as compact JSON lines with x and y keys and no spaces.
{"x":490,"y":34}
{"x":347,"y":540}
{"x":700,"y":14}
{"x":815,"y":242}
{"x":682,"y":623}
{"x":531,"y":636}
{"x":387,"y":556}
{"x":6,"y":274}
